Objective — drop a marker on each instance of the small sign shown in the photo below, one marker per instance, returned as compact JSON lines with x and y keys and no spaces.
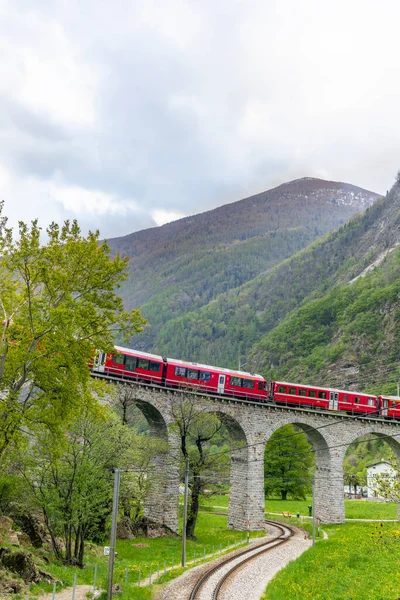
{"x":106,"y":550}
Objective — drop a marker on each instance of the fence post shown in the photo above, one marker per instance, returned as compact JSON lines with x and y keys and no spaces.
{"x":138,"y":581}
{"x":74,"y":588}
{"x":94,"y":578}
{"x":54,"y":591}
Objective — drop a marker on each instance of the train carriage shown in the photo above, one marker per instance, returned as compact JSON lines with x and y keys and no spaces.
{"x":201,"y":377}
{"x":389,"y":406}
{"x":310,"y":396}
{"x":306,"y":396}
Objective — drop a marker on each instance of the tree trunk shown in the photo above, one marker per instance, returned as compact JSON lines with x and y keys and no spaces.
{"x":193,"y":507}
{"x":284,"y":494}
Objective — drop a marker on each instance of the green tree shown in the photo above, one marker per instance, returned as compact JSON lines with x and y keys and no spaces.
{"x":69,"y":477}
{"x":288,"y":464}
{"x":57,"y":304}
{"x":199,"y":431}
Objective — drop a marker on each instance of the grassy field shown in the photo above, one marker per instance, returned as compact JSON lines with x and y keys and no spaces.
{"x":359,"y":560}
{"x":144,"y":554}
{"x":354,"y":509}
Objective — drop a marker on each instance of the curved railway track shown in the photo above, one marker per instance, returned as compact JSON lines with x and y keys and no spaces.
{"x":285,"y":532}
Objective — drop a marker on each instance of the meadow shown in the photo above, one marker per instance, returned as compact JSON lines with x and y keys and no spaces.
{"x":362,"y":555}
{"x":358,"y":560}
{"x":146,"y":555}
{"x":354,"y":509}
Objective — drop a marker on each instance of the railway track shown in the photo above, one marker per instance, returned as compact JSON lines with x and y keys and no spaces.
{"x":209,"y":585}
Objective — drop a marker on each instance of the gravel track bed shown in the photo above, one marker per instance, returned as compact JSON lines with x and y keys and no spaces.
{"x":250,"y":581}
{"x":244,"y":585}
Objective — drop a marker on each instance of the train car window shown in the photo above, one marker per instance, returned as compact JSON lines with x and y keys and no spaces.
{"x":236,"y":381}
{"x":312,"y":393}
{"x":292,"y":391}
{"x":205,"y":376}
{"x":180,"y":371}
{"x":247,"y":383}
{"x":302,"y":392}
{"x":192,"y":374}
{"x":260,"y":385}
{"x":282,"y":389}
{"x":371,"y":401}
{"x":345,"y":398}
{"x":357,"y":400}
{"x":130,"y":363}
{"x":143,"y":363}
{"x":322,"y":395}
{"x":118,"y":358}
{"x":154,"y":366}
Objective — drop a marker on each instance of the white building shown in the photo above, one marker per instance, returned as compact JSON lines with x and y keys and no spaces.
{"x":383,"y":469}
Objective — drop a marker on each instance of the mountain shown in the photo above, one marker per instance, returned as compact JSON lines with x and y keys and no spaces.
{"x":189,"y":264}
{"x":328,"y":315}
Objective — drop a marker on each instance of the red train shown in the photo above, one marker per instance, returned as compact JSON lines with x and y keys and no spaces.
{"x":151,"y":368}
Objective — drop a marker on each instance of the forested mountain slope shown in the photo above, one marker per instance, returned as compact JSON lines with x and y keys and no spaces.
{"x":185,"y":265}
{"x":349,"y":338}
{"x":247,"y":320}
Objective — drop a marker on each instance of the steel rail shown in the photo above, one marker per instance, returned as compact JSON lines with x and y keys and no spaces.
{"x":262,"y":548}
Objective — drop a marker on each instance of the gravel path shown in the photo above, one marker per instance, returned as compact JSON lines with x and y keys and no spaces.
{"x":66,"y":594}
{"x":251,"y":580}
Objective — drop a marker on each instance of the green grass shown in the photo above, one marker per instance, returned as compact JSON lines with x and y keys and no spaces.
{"x":354,"y":509}
{"x":359,"y":560}
{"x":143,"y":554}
{"x":210,"y":531}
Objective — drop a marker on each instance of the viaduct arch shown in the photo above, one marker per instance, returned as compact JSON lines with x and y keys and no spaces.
{"x":253,"y":424}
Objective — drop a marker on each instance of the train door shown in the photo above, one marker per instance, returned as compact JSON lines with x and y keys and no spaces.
{"x":221,"y":384}
{"x":384,"y":407}
{"x":99,"y":361}
{"x":333,"y":400}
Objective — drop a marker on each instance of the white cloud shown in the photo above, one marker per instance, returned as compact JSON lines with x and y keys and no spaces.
{"x":43,"y":70}
{"x":127,"y":114}
{"x":79,"y":201}
{"x":161,"y":217}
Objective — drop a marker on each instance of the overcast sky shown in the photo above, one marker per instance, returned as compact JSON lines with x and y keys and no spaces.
{"x":127,"y":114}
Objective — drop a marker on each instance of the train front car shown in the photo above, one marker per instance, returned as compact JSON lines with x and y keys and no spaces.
{"x":389,"y":406}
{"x":130,"y":364}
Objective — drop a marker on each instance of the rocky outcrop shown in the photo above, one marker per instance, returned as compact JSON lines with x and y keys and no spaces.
{"x":21,"y":564}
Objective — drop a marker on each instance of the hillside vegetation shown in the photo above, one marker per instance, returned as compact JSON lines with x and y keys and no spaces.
{"x":310,"y":318}
{"x":181,"y":267}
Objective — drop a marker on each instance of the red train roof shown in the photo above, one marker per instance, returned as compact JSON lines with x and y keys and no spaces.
{"x":139,"y":353}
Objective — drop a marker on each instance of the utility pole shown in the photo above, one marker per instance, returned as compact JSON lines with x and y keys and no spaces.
{"x":185,"y":503}
{"x":313,"y":510}
{"x":113,"y":534}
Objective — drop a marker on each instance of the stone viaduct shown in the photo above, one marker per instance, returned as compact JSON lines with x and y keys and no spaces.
{"x":251,"y":426}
